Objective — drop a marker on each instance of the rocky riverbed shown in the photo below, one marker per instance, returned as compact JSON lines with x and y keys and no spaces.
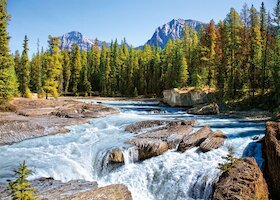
{"x":36,"y":118}
{"x":167,"y":154}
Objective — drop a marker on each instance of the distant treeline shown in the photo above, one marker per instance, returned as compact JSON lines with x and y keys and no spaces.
{"x":238,"y":56}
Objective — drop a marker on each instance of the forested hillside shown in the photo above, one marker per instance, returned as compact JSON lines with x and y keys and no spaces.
{"x":239,"y":56}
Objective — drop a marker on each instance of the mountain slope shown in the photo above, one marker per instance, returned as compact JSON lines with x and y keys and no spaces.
{"x":69,"y":39}
{"x":172,"y":30}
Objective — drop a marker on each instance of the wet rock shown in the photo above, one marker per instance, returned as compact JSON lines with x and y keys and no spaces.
{"x":154,"y":142}
{"x":139,"y":126}
{"x":244,"y":181}
{"x":271,"y":153}
{"x":187,"y":98}
{"x":148,"y":147}
{"x":210,"y":109}
{"x":36,"y":118}
{"x":48,"y":188}
{"x":255,"y":138}
{"x":172,"y":135}
{"x":116,"y":156}
{"x":214,"y":141}
{"x":83,"y":110}
{"x":110,"y":192}
{"x":18,"y":130}
{"x":195,"y":139}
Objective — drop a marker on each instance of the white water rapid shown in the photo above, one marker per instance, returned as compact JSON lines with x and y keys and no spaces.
{"x":81,"y":154}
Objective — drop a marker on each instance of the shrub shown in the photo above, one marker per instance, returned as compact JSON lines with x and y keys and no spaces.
{"x":20,"y":188}
{"x":230,"y":161}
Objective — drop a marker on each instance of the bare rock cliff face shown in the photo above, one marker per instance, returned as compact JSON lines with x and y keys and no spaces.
{"x":271,"y":152}
{"x":191,"y":98}
{"x":244,"y":181}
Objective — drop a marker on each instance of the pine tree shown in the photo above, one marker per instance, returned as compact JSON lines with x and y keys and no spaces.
{"x":8,"y":81}
{"x":66,"y":66}
{"x":24,"y":77}
{"x":132,"y":66}
{"x":52,"y":68}
{"x":221,"y":57}
{"x":156,"y":81}
{"x":264,"y":39}
{"x":84,"y":85}
{"x":105,"y":71}
{"x":123,"y":55}
{"x":20,"y":188}
{"x":245,"y":44}
{"x":255,"y":50}
{"x":17,"y":63}
{"x":276,"y":63}
{"x":167,"y":65}
{"x":200,"y":79}
{"x":94,"y":64}
{"x":211,"y":44}
{"x":39,"y":88}
{"x":144,"y":69}
{"x":115,"y":63}
{"x":76,"y":66}
{"x":234,"y":25}
{"x":35,"y":83}
{"x":187,"y":44}
{"x":180,"y":72}
{"x":194,"y":60}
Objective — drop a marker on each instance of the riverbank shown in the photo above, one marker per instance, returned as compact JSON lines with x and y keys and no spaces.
{"x":50,"y":189}
{"x":84,"y":152}
{"x":139,"y":98}
{"x":32,"y":118}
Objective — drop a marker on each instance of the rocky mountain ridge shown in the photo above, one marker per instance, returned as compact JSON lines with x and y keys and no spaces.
{"x":74,"y":37}
{"x":171,"y":30}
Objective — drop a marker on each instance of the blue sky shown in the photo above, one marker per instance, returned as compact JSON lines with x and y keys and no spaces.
{"x":136,"y":20}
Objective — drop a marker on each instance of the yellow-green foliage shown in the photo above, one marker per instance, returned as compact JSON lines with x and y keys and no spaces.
{"x":230,"y":161}
{"x":20,"y":188}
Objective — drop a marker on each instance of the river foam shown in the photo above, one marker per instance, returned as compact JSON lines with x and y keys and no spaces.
{"x":81,"y":154}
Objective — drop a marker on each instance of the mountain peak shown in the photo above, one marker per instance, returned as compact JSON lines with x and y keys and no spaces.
{"x":74,"y":37}
{"x":172,"y":30}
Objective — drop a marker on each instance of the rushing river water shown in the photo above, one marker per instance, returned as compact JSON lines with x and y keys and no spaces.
{"x":81,"y":154}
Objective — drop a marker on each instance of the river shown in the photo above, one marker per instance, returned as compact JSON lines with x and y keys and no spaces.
{"x":81,"y":153}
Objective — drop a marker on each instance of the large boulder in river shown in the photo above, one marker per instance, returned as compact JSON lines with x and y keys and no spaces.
{"x":195,"y":139}
{"x":214,"y":141}
{"x":244,"y":181}
{"x":148,"y":147}
{"x":185,"y":98}
{"x":210,"y":109}
{"x":164,"y":135}
{"x":171,"y":135}
{"x":140,"y":126}
{"x":271,"y":152}
{"x":115,"y":156}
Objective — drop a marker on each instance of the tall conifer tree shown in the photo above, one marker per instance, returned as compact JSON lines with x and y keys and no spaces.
{"x":24,"y":76}
{"x":52,"y":68}
{"x":8,"y":81}
{"x":76,"y":67}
